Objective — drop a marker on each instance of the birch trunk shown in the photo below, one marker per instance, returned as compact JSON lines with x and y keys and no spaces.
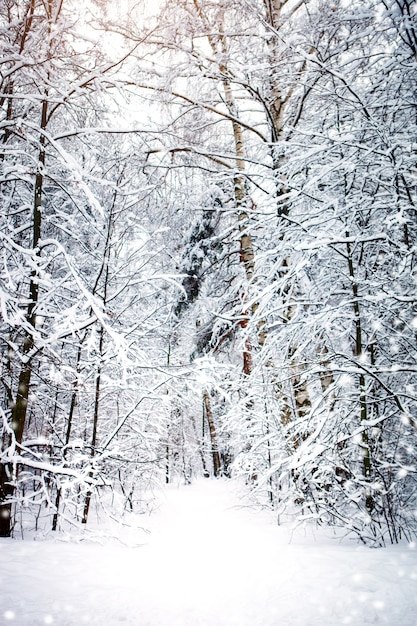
{"x":213,"y":435}
{"x":277,"y":101}
{"x":247,"y":255}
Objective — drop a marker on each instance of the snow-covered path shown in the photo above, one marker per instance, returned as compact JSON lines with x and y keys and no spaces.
{"x":207,"y":562}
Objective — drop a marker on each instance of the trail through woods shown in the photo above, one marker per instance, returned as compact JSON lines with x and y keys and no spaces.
{"x":208,"y":560}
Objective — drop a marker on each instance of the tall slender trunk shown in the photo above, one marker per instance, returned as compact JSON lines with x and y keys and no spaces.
{"x":96,"y":405}
{"x":277,"y":104}
{"x":103,"y":274}
{"x":73,"y":402}
{"x":213,"y":435}
{"x":19,"y":408}
{"x":247,"y":253}
{"x":219,"y":46}
{"x":206,"y":473}
{"x":359,"y":352}
{"x":95,"y":425}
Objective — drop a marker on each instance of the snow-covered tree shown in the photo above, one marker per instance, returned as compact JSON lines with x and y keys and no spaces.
{"x":76,"y":269}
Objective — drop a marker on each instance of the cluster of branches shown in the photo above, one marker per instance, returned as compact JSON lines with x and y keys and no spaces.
{"x":81,"y":293}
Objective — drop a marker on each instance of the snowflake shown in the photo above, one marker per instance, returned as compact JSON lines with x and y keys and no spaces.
{"x":9,"y":615}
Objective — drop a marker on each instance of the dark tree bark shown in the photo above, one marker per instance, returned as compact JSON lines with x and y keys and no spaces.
{"x":19,"y":408}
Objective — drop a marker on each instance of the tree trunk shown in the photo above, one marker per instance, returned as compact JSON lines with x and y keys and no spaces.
{"x":213,"y":436}
{"x":219,"y":46}
{"x":73,"y":402}
{"x":200,"y":447}
{"x":359,"y":348}
{"x":95,"y":420}
{"x":19,"y":408}
{"x":103,"y":273}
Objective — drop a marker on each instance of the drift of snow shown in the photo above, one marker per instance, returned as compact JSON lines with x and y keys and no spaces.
{"x":208,"y":560}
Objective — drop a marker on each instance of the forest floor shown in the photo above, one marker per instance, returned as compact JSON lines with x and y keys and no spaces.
{"x":208,"y":560}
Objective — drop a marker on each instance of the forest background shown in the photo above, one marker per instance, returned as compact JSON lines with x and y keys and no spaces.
{"x":208,"y":239}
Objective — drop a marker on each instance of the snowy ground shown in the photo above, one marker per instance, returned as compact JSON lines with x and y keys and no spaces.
{"x":207,"y":562}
